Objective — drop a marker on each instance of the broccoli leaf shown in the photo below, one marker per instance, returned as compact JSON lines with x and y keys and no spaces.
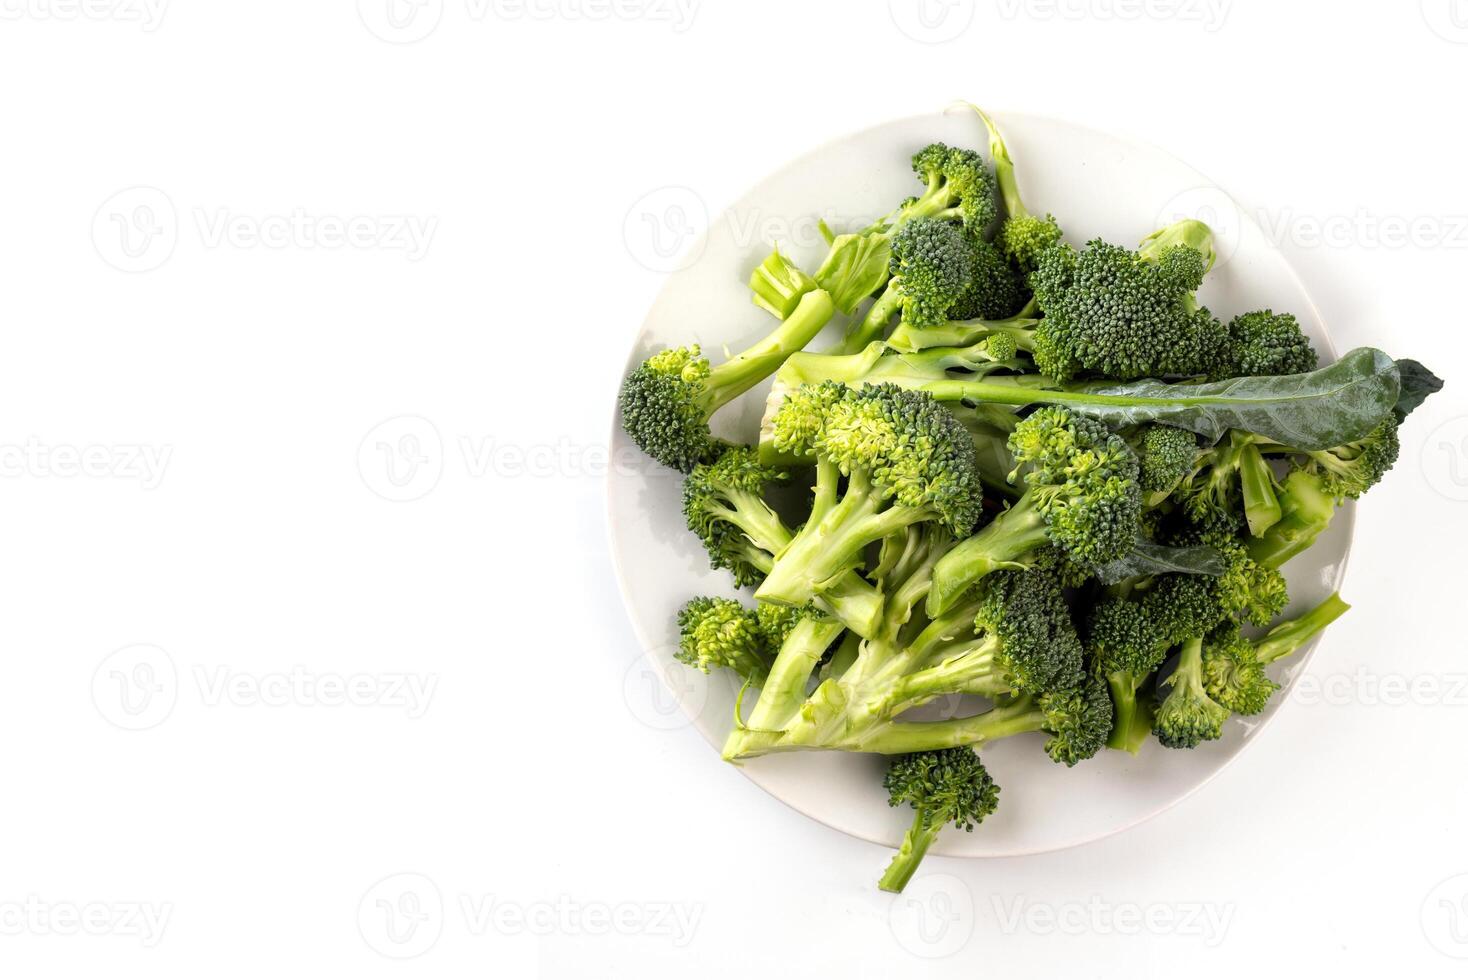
{"x":1417,"y":383}
{"x":1151,"y":558}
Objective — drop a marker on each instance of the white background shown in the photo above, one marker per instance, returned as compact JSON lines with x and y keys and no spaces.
{"x":267,"y":273}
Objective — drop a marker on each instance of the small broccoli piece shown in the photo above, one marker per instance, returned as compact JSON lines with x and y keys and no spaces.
{"x":1352,"y":469}
{"x":1082,"y":496}
{"x":1125,"y":645}
{"x":932,"y":265}
{"x":723,"y":503}
{"x":994,"y":291}
{"x":1124,"y":314}
{"x":1246,"y":589}
{"x":666,"y":403}
{"x":1188,"y":717}
{"x":1167,"y":456}
{"x":1023,"y":236}
{"x":949,"y":786}
{"x":1233,"y":667}
{"x":1266,"y":343}
{"x":959,"y":187}
{"x":906,"y":460}
{"x":777,"y":285}
{"x":1184,"y":607}
{"x":722,"y":633}
{"x":1019,"y":328}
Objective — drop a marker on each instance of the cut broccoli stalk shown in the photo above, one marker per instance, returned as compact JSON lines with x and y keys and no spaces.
{"x":1289,"y":636}
{"x":1023,"y":236}
{"x":1020,"y":328}
{"x":777,"y":285}
{"x":1306,"y":511}
{"x":1261,"y":504}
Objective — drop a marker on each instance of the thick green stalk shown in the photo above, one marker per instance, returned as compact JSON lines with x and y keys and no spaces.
{"x":1288,"y":637}
{"x":962,"y":333}
{"x":1132,"y":714}
{"x":1261,"y":504}
{"x":1307,"y":512}
{"x":784,"y":688}
{"x":871,"y":327}
{"x":745,"y":370}
{"x":915,"y":843}
{"x":1006,"y":540}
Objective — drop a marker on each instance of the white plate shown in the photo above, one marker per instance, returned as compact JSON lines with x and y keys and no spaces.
{"x":1097,"y":185}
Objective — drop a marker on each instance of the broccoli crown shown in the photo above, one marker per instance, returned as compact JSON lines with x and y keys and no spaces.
{"x":1167,"y":455}
{"x":1078,"y":720}
{"x":1246,"y":589}
{"x":1001,"y":347}
{"x":1267,"y":343}
{"x":947,"y":785}
{"x":994,"y":289}
{"x":1186,"y":718}
{"x":1184,"y":606}
{"x":914,"y":452}
{"x":932,"y":265}
{"x":959,"y":182}
{"x":1121,"y":314}
{"x":1084,"y":480}
{"x":1039,"y":648}
{"x":715,"y":632}
{"x":1121,"y":637}
{"x":1023,"y":238}
{"x":714,"y":494}
{"x":663,"y":408}
{"x":1232,"y":673}
{"x":1352,"y":469}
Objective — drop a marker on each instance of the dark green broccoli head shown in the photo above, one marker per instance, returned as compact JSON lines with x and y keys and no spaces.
{"x":1039,"y":649}
{"x":1246,"y":589}
{"x":932,"y":265}
{"x":1232,"y":673}
{"x":994,"y":289}
{"x":1022,"y":239}
{"x":1168,"y":454}
{"x":1352,"y":469}
{"x":1078,"y":720}
{"x":1184,"y":606}
{"x":912,"y":450}
{"x":1121,"y":314}
{"x":959,"y":186}
{"x":715,"y":632}
{"x":1083,"y":479}
{"x":722,"y":503}
{"x":1121,"y":637}
{"x":946,"y":785}
{"x":1267,"y":343}
{"x":1187,"y":717}
{"x":665,"y":408}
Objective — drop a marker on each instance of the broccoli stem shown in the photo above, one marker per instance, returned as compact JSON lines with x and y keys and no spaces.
{"x":915,"y":843}
{"x":1003,"y":168}
{"x":1307,"y":511}
{"x":1261,"y":504}
{"x":784,"y":687}
{"x":1133,"y":714}
{"x":831,"y":545}
{"x":871,"y":327}
{"x":1017,"y":717}
{"x":1007,"y":539}
{"x":745,"y":370}
{"x":1288,"y":637}
{"x":963,"y":333}
{"x":972,"y":672}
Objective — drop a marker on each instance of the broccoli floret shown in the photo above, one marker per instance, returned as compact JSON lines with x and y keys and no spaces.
{"x":1188,"y":717}
{"x":1266,"y":343}
{"x":1082,"y":496}
{"x":1233,"y":667}
{"x":932,"y":266}
{"x":949,"y":786}
{"x":906,"y":460}
{"x":1126,"y":645}
{"x":1123,"y":315}
{"x":1022,"y":236}
{"x":1245,"y":590}
{"x":722,"y":633}
{"x":1352,"y":469}
{"x":1167,"y":456}
{"x":959,"y":187}
{"x":667,"y":401}
{"x":1184,"y":607}
{"x":723,"y":503}
{"x":994,"y":290}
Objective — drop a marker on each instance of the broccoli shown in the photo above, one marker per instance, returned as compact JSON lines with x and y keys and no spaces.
{"x":949,"y":786}
{"x":1020,"y":329}
{"x":1231,"y":478}
{"x":905,"y":458}
{"x":959,"y":187}
{"x":1125,"y":645}
{"x":777,"y":285}
{"x":1167,"y":455}
{"x":1188,"y":717}
{"x":716,"y":632}
{"x":1266,"y":343}
{"x":723,"y":503}
{"x":995,"y":289}
{"x":668,"y":400}
{"x":1233,"y":667}
{"x":1022,"y":236}
{"x":1083,"y":496}
{"x":1125,"y":314}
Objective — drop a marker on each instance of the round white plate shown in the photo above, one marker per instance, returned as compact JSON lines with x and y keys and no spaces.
{"x":1096,"y":185}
